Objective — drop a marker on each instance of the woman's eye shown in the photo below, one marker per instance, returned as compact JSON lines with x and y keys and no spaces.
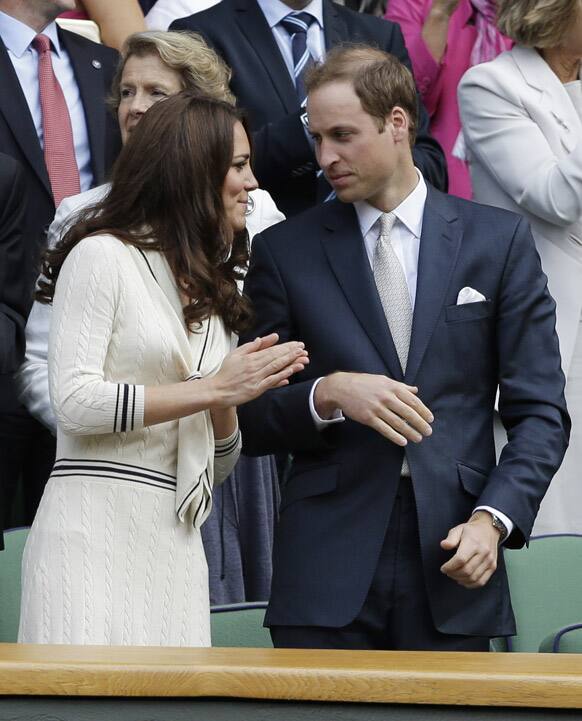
{"x":160,"y":93}
{"x":125,"y":93}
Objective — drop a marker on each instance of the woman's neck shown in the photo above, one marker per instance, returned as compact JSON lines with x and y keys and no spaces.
{"x":564,"y":65}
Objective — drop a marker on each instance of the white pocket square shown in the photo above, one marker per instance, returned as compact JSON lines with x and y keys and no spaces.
{"x":469,"y":295}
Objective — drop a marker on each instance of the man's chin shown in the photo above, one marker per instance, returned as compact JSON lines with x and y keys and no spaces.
{"x":347,"y":195}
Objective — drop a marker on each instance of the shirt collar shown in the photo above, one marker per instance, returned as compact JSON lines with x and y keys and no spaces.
{"x":409,"y":212}
{"x":275,"y":10}
{"x":17,"y":36}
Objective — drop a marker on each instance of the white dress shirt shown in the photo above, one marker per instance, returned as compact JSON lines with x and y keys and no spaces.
{"x":275,"y":10}
{"x":17,"y":38}
{"x":405,"y":239}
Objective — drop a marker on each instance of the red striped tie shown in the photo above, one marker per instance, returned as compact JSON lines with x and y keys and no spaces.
{"x":59,"y":146}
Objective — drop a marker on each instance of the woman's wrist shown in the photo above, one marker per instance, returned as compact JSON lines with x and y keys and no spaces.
{"x":224,"y":423}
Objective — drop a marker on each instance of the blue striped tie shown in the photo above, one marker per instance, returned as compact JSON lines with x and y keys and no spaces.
{"x":297,"y":24}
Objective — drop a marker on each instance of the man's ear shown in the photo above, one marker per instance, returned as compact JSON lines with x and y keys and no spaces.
{"x":399,"y":123}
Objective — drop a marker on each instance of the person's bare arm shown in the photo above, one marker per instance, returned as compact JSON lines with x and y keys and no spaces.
{"x":116,"y":19}
{"x":436,"y":27}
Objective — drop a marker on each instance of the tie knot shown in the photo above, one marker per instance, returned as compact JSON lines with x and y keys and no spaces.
{"x":297,"y":22}
{"x":41,"y":43}
{"x":387,"y":221}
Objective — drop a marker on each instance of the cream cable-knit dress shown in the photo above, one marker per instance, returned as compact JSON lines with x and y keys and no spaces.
{"x":107,"y":560}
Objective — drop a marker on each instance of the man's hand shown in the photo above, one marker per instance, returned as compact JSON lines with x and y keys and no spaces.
{"x":391,"y":408}
{"x":476,"y":542}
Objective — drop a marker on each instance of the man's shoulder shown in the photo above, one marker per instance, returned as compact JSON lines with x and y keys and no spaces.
{"x":75,"y":43}
{"x":485,"y":228}
{"x":222,"y":11}
{"x":361,"y":24}
{"x":298,"y":233}
{"x":470,"y":209}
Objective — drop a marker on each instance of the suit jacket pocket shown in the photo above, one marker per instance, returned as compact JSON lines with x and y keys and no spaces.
{"x":472,"y":480}
{"x":468,"y":311}
{"x":314,"y":481}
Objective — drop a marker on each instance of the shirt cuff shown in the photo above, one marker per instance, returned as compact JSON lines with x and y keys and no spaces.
{"x":321,"y":423}
{"x":508,"y":523}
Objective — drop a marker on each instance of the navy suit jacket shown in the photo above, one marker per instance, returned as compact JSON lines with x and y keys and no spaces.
{"x":94,"y":66}
{"x":283,"y":159}
{"x":310,"y":279}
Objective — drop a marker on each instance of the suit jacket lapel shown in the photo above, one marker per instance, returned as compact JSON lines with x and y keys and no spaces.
{"x":439,"y":247}
{"x":88,"y":72}
{"x":15,"y":109}
{"x":254,"y":26}
{"x":553,"y":95}
{"x":344,"y":247}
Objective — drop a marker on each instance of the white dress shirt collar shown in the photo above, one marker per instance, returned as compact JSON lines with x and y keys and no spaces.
{"x":275,"y":10}
{"x":409,"y":212}
{"x":17,"y":36}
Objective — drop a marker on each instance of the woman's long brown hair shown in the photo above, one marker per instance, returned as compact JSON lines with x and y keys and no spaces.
{"x":166,"y":195}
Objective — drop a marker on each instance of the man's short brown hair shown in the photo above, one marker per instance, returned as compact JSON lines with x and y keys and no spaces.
{"x":379,"y":79}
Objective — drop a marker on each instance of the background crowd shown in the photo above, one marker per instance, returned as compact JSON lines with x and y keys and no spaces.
{"x":500,"y":121}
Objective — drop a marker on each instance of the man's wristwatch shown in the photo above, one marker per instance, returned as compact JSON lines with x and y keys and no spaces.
{"x":497,"y":523}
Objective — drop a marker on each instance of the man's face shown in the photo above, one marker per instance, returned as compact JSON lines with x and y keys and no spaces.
{"x":358,"y":160}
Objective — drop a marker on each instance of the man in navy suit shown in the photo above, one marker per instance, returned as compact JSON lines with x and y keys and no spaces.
{"x":415,"y":307}
{"x":251,"y":37}
{"x":84,"y":71}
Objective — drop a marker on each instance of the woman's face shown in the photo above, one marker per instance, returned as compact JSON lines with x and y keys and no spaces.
{"x":144,"y":81}
{"x":238,"y":181}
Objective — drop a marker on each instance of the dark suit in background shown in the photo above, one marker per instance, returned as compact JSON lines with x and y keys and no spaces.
{"x":310,"y":280}
{"x":283,"y":158}
{"x":14,"y":290}
{"x":27,"y":446}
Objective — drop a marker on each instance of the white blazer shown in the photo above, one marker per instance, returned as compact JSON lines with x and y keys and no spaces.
{"x":33,"y":374}
{"x":524,"y":146}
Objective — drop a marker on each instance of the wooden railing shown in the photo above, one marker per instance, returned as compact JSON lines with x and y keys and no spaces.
{"x":495,"y":679}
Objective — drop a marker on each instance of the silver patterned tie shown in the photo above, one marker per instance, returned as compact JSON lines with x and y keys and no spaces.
{"x":394,"y":295}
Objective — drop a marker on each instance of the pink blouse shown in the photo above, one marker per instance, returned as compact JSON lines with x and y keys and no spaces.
{"x":437,"y":82}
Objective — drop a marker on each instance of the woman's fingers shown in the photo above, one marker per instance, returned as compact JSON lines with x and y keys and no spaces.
{"x":258,"y":344}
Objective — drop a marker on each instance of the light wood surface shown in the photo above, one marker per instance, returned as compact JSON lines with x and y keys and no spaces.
{"x":496,"y":679}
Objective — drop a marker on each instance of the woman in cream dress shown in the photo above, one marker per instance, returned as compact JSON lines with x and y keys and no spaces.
{"x":522,"y":121}
{"x":239,"y":532}
{"x":144,"y":388}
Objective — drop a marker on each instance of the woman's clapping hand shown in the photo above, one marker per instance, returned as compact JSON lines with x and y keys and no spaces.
{"x":255,"y":367}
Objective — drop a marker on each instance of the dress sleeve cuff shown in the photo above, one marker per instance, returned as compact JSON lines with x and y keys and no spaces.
{"x":226,"y":454}
{"x":129,"y":408}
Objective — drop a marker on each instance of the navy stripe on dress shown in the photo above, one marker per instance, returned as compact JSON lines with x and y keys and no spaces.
{"x":65,"y":467}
